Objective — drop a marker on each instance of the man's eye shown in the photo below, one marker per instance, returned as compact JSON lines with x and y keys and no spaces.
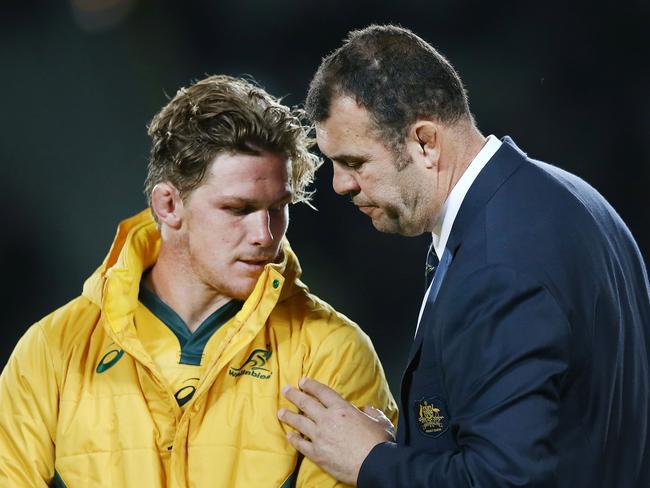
{"x":353,"y":164}
{"x":238,"y":210}
{"x":347,"y":164}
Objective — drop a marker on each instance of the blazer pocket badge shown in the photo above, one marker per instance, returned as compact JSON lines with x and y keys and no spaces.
{"x":432,"y":417}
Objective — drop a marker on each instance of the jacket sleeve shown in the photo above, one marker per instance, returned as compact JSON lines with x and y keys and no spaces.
{"x":28,"y":413}
{"x":346,"y":361}
{"x":503,"y":345}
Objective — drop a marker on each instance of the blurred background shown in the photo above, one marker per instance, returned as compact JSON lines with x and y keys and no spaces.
{"x":81,"y":79}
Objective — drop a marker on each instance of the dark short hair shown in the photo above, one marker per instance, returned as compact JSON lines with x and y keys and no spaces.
{"x":223,"y":114}
{"x":395,"y":75}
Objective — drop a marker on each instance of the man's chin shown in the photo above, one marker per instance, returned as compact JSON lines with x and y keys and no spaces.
{"x":392,"y":226}
{"x":243,"y":289}
{"x":386,"y":226}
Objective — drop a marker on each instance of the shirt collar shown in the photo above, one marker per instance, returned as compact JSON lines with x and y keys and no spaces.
{"x":445,"y":221}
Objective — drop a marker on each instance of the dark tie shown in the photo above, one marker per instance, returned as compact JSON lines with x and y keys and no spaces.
{"x":432,"y":265}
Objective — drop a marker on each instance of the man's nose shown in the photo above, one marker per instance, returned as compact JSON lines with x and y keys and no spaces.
{"x":261,"y":234}
{"x":344,"y":181}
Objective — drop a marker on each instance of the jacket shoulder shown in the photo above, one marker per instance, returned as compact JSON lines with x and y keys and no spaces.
{"x":69,"y":328}
{"x":318,"y":320}
{"x":68,"y":322}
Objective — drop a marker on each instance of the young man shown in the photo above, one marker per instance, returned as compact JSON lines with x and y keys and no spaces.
{"x":167,"y":370}
{"x":530,"y":366}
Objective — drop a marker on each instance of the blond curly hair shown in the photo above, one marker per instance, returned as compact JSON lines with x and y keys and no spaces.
{"x":225,"y":114}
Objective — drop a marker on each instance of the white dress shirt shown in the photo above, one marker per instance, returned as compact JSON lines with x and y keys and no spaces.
{"x":445,"y":221}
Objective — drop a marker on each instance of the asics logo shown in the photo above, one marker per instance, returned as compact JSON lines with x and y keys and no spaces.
{"x":109,"y":360}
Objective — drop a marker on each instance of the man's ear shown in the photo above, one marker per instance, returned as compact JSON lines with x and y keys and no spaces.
{"x":167,"y":204}
{"x":424,"y":139}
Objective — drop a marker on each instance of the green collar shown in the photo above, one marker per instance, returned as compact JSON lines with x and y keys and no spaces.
{"x":192,"y":344}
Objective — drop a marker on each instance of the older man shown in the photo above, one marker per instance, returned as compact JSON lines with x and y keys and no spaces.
{"x":530,"y":363}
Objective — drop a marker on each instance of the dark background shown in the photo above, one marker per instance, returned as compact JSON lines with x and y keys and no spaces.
{"x":81,"y":79}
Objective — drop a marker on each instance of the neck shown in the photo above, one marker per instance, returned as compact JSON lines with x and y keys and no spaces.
{"x":191,"y":299}
{"x":461,"y":144}
{"x":464,"y":145}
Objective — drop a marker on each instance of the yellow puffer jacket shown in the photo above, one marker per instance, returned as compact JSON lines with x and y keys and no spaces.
{"x":68,"y":420}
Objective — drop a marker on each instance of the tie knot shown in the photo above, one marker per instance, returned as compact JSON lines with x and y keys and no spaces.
{"x":431,"y":265}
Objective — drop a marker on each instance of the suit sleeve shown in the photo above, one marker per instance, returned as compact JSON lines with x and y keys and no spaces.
{"x":347,"y":362}
{"x":503,"y":350}
{"x":28,"y":412}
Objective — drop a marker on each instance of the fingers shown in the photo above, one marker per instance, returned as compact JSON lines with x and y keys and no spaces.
{"x":306,"y":403}
{"x":373,"y":412}
{"x":379,"y":417}
{"x":376,"y":414}
{"x":301,"y":444}
{"x":324,"y":394}
{"x":299,"y":422}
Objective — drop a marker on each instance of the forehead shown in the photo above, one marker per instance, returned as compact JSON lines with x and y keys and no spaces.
{"x":347,"y":129}
{"x":265,"y":175}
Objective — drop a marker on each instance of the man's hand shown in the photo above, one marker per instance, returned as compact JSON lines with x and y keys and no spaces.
{"x":337,"y":435}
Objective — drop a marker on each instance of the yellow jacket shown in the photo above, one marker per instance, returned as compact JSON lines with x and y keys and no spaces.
{"x":65,"y":420}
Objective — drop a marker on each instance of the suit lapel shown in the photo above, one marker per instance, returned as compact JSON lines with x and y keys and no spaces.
{"x":498,"y":170}
{"x":431,"y":299}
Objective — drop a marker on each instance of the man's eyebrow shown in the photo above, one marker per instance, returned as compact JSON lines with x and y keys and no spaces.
{"x":347,"y":157}
{"x":286,"y":196}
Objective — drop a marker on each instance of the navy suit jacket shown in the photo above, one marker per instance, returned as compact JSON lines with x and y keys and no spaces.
{"x":530,"y":366}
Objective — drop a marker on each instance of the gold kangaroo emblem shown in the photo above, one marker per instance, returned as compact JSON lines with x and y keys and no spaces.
{"x":257,"y":360}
